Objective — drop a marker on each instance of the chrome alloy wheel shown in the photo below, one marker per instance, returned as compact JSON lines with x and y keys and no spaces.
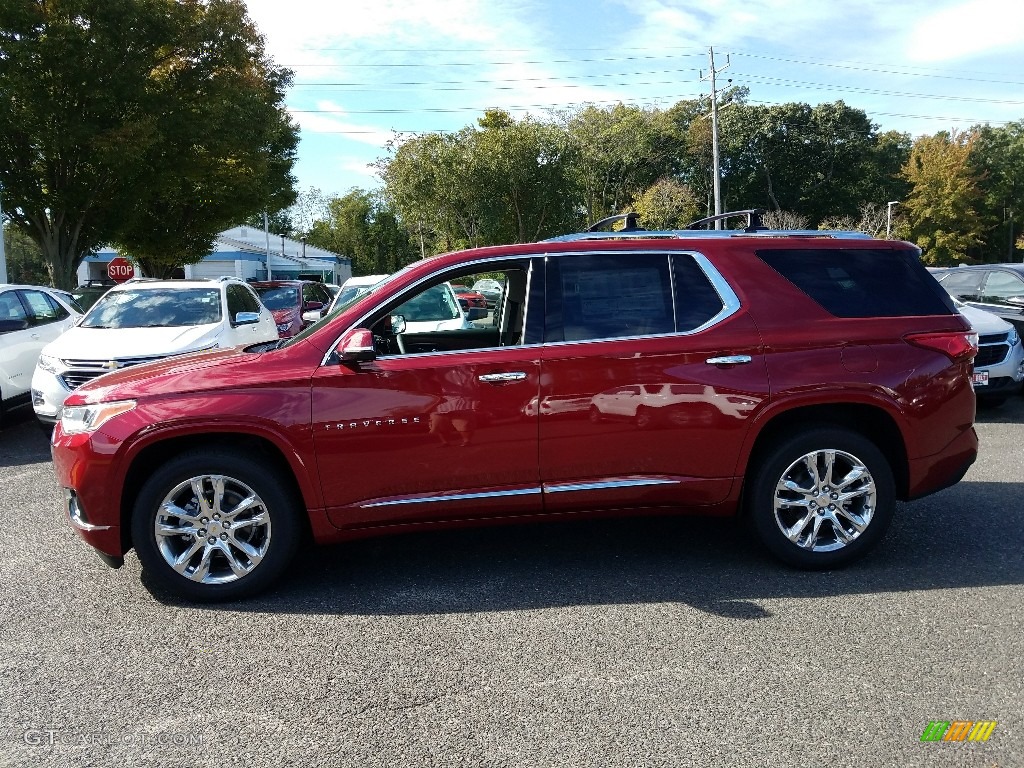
{"x":825,"y":500}
{"x":212,"y":529}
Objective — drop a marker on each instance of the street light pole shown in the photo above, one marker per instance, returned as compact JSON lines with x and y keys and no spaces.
{"x":888,"y":217}
{"x":266,"y":231}
{"x":3,"y":255}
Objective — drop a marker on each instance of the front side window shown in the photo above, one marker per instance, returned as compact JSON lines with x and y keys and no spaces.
{"x":430,"y":318}
{"x":241,"y":299}
{"x":1003,"y":285}
{"x":155,"y":308}
{"x":11,"y":307}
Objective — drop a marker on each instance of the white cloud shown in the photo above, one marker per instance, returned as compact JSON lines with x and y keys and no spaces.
{"x":330,"y":119}
{"x":966,"y":29}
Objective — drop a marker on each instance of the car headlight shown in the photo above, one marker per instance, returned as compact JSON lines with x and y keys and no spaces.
{"x":1012,"y":337}
{"x":49,"y":364}
{"x":88,"y":418}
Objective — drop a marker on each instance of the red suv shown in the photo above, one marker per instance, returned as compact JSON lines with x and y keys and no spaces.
{"x":804,"y":380}
{"x":295,"y":304}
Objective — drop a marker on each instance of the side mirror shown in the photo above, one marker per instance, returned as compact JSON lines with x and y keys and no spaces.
{"x":476,"y":313}
{"x":397,"y":324}
{"x":356,"y":346}
{"x":310,"y":317}
{"x":247,"y":318}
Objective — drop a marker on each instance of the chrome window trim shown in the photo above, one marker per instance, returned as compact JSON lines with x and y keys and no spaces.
{"x":730,"y":301}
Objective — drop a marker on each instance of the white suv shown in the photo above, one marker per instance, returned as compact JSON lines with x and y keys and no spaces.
{"x":30,"y":318}
{"x":144,"y":320}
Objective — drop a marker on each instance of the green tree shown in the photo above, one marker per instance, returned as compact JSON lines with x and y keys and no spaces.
{"x":362,"y":226}
{"x":795,"y":157}
{"x":148,"y":124}
{"x":941,"y":210}
{"x":25,"y":263}
{"x":504,"y":180}
{"x":998,"y":159}
{"x":618,"y":152}
{"x":667,"y":204}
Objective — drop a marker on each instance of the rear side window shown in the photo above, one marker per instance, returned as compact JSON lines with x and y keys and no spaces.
{"x":850,"y":282}
{"x":603,"y":296}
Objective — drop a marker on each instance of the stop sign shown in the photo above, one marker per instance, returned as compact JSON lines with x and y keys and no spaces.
{"x":120,"y":269}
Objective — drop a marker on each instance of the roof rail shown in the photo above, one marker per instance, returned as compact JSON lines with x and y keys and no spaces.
{"x":755,"y":226}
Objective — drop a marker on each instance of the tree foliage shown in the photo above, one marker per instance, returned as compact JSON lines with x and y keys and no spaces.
{"x":504,"y":180}
{"x":150,"y":124}
{"x":362,"y":226}
{"x":941,"y":208}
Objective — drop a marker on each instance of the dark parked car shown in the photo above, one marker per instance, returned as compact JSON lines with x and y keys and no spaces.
{"x":296,"y":304}
{"x":806,"y":381}
{"x":996,"y":288}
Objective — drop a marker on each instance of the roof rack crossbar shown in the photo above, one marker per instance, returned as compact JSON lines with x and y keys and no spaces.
{"x":630,"y":220}
{"x":754,"y":223}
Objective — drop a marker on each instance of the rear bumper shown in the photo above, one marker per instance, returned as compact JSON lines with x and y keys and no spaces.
{"x":945,"y":468}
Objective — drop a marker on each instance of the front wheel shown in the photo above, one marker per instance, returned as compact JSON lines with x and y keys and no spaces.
{"x":210,"y":526}
{"x":821,"y":498}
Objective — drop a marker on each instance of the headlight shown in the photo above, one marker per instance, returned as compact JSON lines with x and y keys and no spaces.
{"x":88,"y":418}
{"x":1012,"y":337}
{"x":49,"y":364}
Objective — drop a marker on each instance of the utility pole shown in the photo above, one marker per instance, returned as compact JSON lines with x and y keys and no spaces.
{"x":888,"y":217}
{"x":716,"y":171}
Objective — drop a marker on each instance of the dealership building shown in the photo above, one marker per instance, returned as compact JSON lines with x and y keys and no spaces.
{"x":242,"y":252}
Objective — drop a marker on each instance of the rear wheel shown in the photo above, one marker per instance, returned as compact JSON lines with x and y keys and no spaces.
{"x":210,"y":526}
{"x":821,"y":498}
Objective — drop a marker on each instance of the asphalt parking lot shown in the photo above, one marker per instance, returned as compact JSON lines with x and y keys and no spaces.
{"x":618,"y":643}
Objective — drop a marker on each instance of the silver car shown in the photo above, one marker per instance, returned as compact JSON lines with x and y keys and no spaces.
{"x":999,"y":365}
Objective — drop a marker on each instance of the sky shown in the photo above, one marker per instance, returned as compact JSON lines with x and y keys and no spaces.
{"x":368,"y":71}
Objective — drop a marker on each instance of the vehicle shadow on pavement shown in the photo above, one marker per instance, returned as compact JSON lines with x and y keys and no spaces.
{"x":22,"y":440}
{"x":957,"y":538}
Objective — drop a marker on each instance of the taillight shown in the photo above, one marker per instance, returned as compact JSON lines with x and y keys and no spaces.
{"x":956,"y":345}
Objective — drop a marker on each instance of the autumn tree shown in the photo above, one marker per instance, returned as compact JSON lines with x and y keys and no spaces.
{"x":149,"y":124}
{"x":667,"y":204}
{"x":941,"y":209}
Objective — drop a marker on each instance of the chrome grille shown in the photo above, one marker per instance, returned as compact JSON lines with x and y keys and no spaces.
{"x":78,"y":372}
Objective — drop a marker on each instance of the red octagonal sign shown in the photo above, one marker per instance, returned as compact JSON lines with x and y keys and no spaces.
{"x":120,"y":269}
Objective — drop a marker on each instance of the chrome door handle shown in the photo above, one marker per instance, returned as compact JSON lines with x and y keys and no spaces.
{"x":729,"y":360}
{"x":499,"y":378}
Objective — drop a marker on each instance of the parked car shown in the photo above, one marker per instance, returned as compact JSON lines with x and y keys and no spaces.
{"x":31,"y":316}
{"x":490,"y":289}
{"x":995,"y":288}
{"x":999,"y":364}
{"x":144,"y":320}
{"x":846,"y":371}
{"x":296,"y":304}
{"x":469,"y":298}
{"x":355,"y":286}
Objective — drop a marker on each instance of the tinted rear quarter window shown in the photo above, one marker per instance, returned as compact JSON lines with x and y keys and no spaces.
{"x":856,"y":282}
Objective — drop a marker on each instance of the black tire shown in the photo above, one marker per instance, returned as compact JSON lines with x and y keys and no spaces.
{"x":245,"y":550}
{"x":850,"y":518}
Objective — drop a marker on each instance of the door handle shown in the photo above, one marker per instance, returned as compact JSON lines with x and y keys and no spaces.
{"x":729,"y":360}
{"x":501,"y":378}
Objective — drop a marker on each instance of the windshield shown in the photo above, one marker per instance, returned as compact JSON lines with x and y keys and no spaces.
{"x":155,"y":308}
{"x":279,"y":297}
